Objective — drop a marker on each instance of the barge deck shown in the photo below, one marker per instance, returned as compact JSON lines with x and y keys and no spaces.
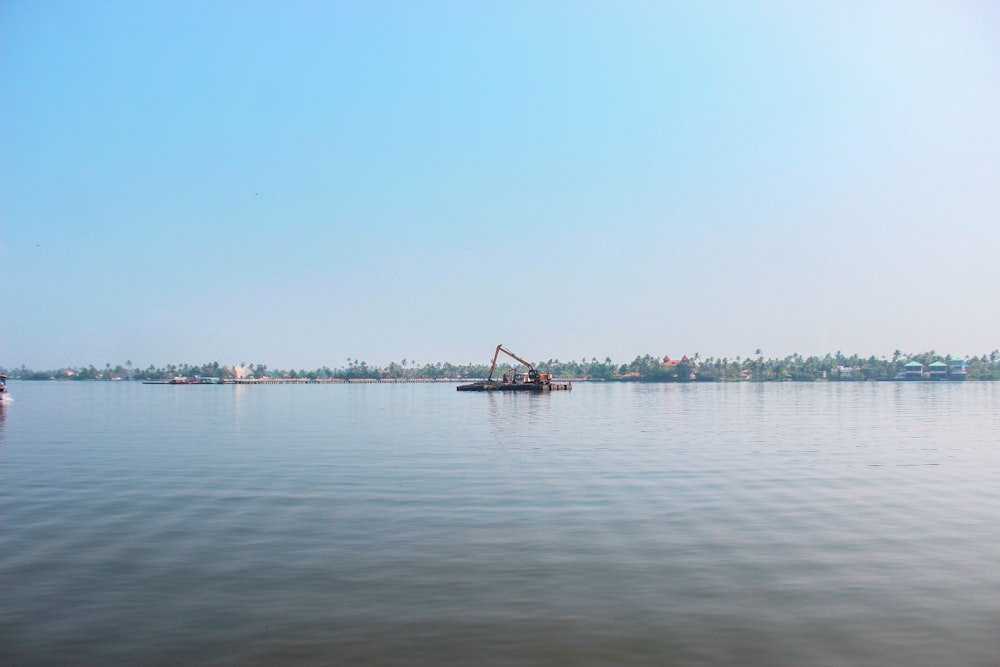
{"x":493,"y":385}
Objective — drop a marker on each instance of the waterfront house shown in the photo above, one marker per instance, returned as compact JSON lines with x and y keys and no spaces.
{"x":912,"y":371}
{"x":937,"y":371}
{"x":669,"y":364}
{"x":953,"y":369}
{"x":674,"y":363}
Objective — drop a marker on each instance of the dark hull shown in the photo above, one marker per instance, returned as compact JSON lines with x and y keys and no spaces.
{"x":536,"y":387}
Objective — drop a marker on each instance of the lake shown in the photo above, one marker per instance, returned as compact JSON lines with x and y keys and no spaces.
{"x":410,"y":524}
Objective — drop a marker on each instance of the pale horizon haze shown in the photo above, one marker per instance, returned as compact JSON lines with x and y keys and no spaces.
{"x":295,"y":184}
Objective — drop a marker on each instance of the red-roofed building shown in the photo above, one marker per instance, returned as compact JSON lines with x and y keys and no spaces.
{"x":675,"y":364}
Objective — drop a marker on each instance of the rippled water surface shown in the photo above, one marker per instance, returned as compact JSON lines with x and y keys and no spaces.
{"x":734,"y":524}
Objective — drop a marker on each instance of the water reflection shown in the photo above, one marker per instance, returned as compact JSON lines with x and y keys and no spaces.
{"x":614,"y":524}
{"x":3,"y":418}
{"x":516,"y":418}
{"x":241,"y":398}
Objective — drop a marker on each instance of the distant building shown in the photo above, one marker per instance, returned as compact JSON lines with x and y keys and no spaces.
{"x":953,"y":369}
{"x":669,"y":363}
{"x":674,"y":363}
{"x":937,"y":370}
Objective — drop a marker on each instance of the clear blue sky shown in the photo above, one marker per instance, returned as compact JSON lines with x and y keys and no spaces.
{"x":298,"y":183}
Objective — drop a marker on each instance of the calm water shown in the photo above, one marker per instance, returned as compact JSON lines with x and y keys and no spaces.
{"x":780,"y":524}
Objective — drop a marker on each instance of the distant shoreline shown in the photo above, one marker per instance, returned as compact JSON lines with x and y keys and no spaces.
{"x":260,"y":381}
{"x":900,"y":366}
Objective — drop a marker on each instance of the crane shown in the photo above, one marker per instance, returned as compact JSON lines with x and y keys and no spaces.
{"x":534,"y":377}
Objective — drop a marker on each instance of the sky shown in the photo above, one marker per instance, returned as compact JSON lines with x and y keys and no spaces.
{"x":301,"y":183}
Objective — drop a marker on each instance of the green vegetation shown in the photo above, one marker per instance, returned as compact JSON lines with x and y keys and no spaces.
{"x":647,"y":368}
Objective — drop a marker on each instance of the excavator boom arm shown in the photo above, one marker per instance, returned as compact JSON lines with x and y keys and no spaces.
{"x":501,"y":348}
{"x":514,"y":356}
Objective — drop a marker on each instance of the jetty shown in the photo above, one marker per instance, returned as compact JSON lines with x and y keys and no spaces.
{"x":251,"y":380}
{"x":343,"y":381}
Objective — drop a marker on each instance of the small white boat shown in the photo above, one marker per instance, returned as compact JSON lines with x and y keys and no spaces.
{"x":4,"y":394}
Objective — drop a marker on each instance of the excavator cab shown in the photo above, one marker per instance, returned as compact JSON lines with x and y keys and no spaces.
{"x":532,"y":377}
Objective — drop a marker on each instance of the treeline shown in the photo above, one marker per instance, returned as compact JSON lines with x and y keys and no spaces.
{"x":796,"y":367}
{"x":752,"y":368}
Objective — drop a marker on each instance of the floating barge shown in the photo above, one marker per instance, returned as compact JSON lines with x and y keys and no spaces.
{"x":532,"y":380}
{"x":493,"y":385}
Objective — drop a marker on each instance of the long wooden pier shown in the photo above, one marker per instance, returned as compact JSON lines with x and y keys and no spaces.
{"x":213,"y":381}
{"x":344,"y":381}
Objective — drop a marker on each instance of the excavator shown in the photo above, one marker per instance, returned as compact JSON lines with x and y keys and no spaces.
{"x":532,"y":380}
{"x":532,"y":374}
